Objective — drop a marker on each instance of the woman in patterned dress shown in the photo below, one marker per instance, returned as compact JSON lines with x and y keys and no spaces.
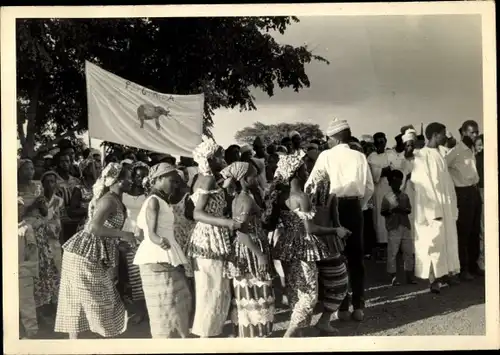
{"x":250,"y":266}
{"x":161,"y":260}
{"x":298,"y":247}
{"x":88,"y":298}
{"x":133,"y":200}
{"x":35,"y":214}
{"x":54,"y":205}
{"x":210,"y":244}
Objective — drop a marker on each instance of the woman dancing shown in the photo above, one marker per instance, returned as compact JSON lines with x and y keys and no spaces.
{"x":210,"y":244}
{"x":88,"y":298}
{"x":250,"y":266}
{"x":298,"y":247}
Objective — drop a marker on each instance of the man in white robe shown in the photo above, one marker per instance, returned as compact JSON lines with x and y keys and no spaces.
{"x":435,"y":211}
{"x":380,"y":165}
{"x":409,"y":139}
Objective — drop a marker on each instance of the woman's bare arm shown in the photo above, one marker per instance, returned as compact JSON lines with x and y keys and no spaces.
{"x":152,"y":210}
{"x":105,"y":206}
{"x":242,"y":208}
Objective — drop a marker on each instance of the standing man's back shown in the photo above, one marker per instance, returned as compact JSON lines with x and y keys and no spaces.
{"x":351,"y":181}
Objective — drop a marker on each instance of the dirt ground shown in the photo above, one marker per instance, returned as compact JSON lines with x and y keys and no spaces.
{"x":401,"y":310}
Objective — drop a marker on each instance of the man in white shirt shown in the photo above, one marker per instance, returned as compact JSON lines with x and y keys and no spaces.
{"x":351,"y":181}
{"x":461,"y":162}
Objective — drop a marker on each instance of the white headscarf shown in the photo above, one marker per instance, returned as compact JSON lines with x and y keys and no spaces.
{"x":409,"y":135}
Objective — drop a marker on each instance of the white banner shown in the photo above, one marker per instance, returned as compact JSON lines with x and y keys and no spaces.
{"x":123,"y":112}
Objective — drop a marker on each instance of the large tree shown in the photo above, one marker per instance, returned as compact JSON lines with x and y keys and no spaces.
{"x":223,"y":57}
{"x":275,"y":132}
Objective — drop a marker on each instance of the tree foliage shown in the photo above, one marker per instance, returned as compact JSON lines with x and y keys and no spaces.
{"x":275,"y":132}
{"x":223,"y":57}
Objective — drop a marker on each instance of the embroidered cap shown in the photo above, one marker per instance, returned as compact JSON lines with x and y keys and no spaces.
{"x":336,"y":126}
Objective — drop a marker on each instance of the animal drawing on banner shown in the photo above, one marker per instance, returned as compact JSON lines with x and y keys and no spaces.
{"x":146,"y":112}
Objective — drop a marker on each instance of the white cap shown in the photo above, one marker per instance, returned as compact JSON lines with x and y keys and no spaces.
{"x":336,"y":126}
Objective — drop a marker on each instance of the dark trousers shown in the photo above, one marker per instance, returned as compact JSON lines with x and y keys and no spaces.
{"x":468,"y":226}
{"x":369,"y":235}
{"x":351,"y":217}
{"x":68,"y":229}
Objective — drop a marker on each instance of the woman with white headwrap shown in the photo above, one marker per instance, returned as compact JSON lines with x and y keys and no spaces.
{"x":88,"y":298}
{"x":250,"y":266}
{"x":298,"y":247}
{"x":210,"y":243}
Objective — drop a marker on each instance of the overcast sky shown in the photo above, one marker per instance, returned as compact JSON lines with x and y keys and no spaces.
{"x":384,"y":72}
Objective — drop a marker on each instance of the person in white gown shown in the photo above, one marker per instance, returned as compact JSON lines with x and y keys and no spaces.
{"x":380,"y":165}
{"x":435,"y":212}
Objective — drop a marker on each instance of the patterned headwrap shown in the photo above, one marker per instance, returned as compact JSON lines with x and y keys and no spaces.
{"x":236,"y":171}
{"x":108,"y":177}
{"x":155,"y":172}
{"x":288,"y":165}
{"x":202,"y":153}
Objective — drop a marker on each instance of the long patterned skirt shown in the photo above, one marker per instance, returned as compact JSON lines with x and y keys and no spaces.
{"x":88,"y":299}
{"x":168,"y":300}
{"x":213,"y":297}
{"x":333,"y":283}
{"x":302,"y":287}
{"x":134,"y":277}
{"x":252,"y":311}
{"x":47,"y":283}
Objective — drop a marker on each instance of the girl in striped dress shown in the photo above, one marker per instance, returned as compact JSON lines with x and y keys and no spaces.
{"x":210,"y":244}
{"x":250,"y":264}
{"x":298,"y":247}
{"x":88,"y":298}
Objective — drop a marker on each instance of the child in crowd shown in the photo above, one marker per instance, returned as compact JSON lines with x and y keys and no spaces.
{"x":396,"y":208}
{"x":28,"y":270}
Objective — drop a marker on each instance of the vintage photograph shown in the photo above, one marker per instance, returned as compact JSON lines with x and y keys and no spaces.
{"x":250,"y":177}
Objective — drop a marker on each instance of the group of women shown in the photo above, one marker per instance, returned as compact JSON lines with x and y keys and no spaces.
{"x":194,"y":256}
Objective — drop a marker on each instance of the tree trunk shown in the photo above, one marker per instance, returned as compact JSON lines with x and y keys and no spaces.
{"x":28,"y":148}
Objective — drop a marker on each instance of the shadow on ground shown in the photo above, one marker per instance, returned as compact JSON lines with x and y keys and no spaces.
{"x":389,"y":311}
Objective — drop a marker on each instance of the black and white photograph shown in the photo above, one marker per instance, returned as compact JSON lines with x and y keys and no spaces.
{"x":212,"y":172}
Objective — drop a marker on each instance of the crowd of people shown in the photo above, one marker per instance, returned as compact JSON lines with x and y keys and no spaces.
{"x":187,"y":245}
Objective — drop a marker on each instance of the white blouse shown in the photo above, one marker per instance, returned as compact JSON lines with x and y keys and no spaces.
{"x":151,"y":253}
